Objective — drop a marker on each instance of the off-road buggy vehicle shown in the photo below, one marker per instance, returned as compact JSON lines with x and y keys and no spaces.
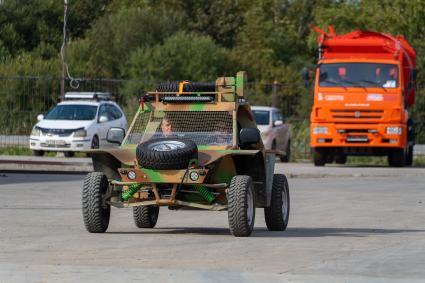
{"x":190,"y":146}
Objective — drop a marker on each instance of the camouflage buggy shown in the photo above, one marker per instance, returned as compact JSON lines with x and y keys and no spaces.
{"x":190,"y":146}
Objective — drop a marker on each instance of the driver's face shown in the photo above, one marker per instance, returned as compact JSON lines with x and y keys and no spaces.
{"x":166,"y":127}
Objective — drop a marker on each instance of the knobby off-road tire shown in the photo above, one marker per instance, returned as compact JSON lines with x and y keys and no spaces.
{"x":277,"y":214}
{"x":153,"y":154}
{"x":241,"y":206}
{"x":145,"y":216}
{"x":96,"y":212}
{"x":189,"y":87}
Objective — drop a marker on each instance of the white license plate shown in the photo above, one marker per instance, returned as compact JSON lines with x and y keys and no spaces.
{"x":55,"y":142}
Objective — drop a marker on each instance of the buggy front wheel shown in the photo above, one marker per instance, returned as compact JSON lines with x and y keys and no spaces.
{"x":96,"y":211}
{"x":241,"y":206}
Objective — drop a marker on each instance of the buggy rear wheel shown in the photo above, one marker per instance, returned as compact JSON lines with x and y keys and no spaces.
{"x":277,"y":214}
{"x":241,"y":206}
{"x":96,"y":212}
{"x":145,"y":216}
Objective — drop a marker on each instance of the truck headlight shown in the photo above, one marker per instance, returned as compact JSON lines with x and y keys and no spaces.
{"x":393,"y":130}
{"x":35,"y":131}
{"x":80,"y":133}
{"x":320,"y":130}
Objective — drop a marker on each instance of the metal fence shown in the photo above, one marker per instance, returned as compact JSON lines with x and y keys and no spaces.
{"x":23,"y":98}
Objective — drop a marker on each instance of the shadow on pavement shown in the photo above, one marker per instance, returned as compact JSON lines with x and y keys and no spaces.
{"x":290,"y":232}
{"x":8,"y":178}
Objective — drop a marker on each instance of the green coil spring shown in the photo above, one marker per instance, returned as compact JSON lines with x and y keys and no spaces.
{"x":205,"y":193}
{"x":132,"y":189}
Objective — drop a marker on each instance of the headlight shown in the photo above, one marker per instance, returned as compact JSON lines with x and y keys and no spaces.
{"x":320,"y":130}
{"x":393,"y":130}
{"x":80,"y":133}
{"x":35,"y":131}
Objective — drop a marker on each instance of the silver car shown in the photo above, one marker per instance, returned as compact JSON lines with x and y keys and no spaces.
{"x":275,"y":133}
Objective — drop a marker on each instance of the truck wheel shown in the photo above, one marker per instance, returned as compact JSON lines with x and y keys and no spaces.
{"x":409,"y":156}
{"x":96,"y":211}
{"x":340,"y":159}
{"x":241,"y":206}
{"x":287,"y":157}
{"x":145,"y":216}
{"x":166,"y":153}
{"x":318,"y":157}
{"x":38,"y":152}
{"x":277,"y":214}
{"x":397,"y":157}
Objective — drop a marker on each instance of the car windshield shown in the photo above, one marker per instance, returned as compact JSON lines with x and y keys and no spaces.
{"x":203,"y":127}
{"x":262,"y":117}
{"x":358,"y":75}
{"x":72,"y":112}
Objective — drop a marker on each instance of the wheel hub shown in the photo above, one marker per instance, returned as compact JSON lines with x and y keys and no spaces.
{"x":166,"y":145}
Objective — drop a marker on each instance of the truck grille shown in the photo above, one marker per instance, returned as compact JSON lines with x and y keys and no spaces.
{"x":359,"y":114}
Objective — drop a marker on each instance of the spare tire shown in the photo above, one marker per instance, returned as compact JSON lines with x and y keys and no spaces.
{"x":189,"y":87}
{"x":166,"y":153}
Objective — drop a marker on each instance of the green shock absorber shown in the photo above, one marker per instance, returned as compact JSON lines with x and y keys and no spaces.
{"x":205,"y":193}
{"x":132,"y":189}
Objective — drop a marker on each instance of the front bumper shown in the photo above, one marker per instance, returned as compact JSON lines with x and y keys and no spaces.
{"x":357,"y":135}
{"x":59,"y":143}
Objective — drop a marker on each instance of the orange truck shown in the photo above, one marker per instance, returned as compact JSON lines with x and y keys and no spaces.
{"x":364,"y":87}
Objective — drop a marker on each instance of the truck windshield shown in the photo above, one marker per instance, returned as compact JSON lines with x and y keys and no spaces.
{"x":359,"y":75}
{"x":72,"y":112}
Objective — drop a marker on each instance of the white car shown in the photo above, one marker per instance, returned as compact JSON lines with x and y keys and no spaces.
{"x":79,"y":123}
{"x":275,"y":133}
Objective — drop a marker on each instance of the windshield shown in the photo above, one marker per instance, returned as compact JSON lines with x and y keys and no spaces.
{"x":72,"y":112}
{"x":359,"y":75}
{"x":262,"y":117}
{"x":203,"y":127}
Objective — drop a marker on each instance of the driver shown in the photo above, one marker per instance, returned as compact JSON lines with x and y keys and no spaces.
{"x":166,"y":127}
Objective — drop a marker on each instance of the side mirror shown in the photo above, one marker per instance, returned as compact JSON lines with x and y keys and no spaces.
{"x":248,"y":136}
{"x":40,"y":117}
{"x":115,"y":135}
{"x":103,"y":119}
{"x":278,"y":123}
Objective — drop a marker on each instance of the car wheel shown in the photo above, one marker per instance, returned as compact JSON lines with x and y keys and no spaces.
{"x":277,"y":214}
{"x":38,"y":152}
{"x":287,"y":157}
{"x":68,"y":153}
{"x":145,"y":216}
{"x":241,"y":206}
{"x":96,"y":212}
{"x":166,"y":153}
{"x":95,"y":142}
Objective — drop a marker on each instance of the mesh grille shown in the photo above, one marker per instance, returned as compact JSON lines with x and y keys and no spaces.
{"x":203,"y":127}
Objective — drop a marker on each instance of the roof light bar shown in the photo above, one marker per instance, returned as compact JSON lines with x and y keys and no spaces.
{"x":187,"y":99}
{"x":88,"y":95}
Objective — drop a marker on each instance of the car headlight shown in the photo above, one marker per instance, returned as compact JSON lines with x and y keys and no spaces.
{"x":80,"y":133}
{"x":35,"y":131}
{"x":320,"y":130}
{"x":393,"y":130}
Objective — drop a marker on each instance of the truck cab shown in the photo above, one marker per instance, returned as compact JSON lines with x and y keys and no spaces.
{"x":364,"y":87}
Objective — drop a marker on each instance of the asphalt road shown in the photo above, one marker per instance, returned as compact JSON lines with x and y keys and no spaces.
{"x":343,"y":228}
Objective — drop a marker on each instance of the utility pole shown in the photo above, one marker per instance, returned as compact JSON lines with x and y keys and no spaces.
{"x":275,"y":100}
{"x":63,"y":51}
